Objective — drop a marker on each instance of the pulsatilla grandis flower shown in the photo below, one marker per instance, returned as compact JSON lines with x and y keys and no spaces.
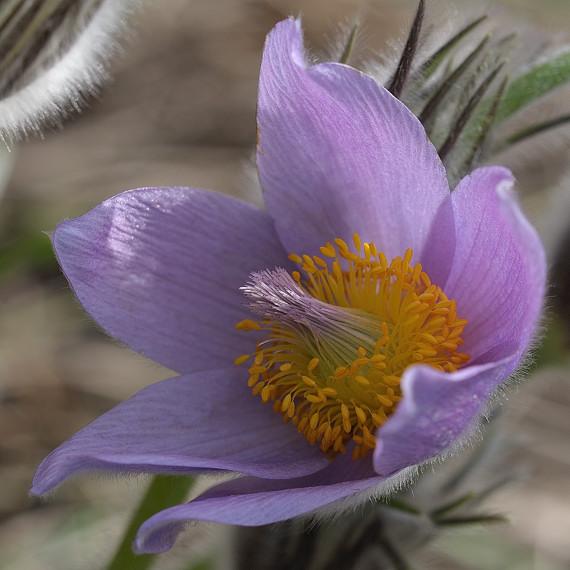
{"x":371,"y":310}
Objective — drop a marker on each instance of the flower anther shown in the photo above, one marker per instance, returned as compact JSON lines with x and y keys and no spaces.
{"x":336,"y":341}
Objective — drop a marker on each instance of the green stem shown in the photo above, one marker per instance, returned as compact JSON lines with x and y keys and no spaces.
{"x":349,"y":44}
{"x":164,"y":491}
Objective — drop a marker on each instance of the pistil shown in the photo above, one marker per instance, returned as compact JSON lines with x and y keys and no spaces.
{"x":337,"y":339}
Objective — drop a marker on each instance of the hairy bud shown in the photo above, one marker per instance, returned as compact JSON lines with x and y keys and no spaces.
{"x":53,"y":58}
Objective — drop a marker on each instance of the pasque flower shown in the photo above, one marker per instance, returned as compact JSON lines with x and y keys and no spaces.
{"x":369,"y":307}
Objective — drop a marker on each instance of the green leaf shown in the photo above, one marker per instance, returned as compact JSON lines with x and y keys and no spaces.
{"x":535,"y":83}
{"x":164,"y":491}
{"x":351,"y":41}
{"x":204,"y":564}
{"x":33,"y":252}
{"x":475,"y":519}
{"x":490,"y":550}
{"x":402,"y":506}
{"x":553,"y":350}
{"x":535,"y":129}
{"x":466,"y":113}
{"x":429,"y":67}
{"x":450,"y":81}
{"x":478,"y":134}
{"x":453,"y":506}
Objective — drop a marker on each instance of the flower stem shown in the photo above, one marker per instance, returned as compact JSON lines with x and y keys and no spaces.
{"x":164,"y":491}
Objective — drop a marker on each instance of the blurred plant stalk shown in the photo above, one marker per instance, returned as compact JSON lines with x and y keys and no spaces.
{"x":54,"y":57}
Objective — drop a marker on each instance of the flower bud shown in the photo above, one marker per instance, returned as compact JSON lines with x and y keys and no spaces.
{"x":53,"y":59}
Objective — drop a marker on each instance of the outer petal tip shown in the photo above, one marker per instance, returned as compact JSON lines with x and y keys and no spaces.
{"x":333,"y":141}
{"x":437,"y":411}
{"x":128,"y":262}
{"x":188,"y":424}
{"x":158,"y":538}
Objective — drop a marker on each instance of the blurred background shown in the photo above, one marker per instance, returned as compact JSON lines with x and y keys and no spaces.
{"x":181,"y":111}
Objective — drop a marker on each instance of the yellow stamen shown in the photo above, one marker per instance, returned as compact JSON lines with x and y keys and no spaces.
{"x":337,"y":342}
{"x":241,"y":359}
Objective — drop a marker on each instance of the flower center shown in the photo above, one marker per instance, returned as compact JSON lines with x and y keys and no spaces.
{"x":336,"y":342}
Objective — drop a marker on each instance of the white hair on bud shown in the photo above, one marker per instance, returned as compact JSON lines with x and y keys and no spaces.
{"x":69,"y":72}
{"x":354,"y":503}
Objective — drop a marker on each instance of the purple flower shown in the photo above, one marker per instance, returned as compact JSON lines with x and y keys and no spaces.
{"x":359,"y":346}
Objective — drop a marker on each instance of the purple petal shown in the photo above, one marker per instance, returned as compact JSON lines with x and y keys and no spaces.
{"x":437,"y":410}
{"x":253,"y":502}
{"x":160,"y":270}
{"x":499,"y":269}
{"x":338,"y":154}
{"x":206,"y":420}
{"x":437,"y":255}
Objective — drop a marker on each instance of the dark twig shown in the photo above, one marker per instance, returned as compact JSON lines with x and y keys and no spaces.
{"x":535,"y":129}
{"x":457,"y":129}
{"x":432,"y":63}
{"x":349,"y":552}
{"x":484,"y":128}
{"x":398,"y":81}
{"x":448,"y":83}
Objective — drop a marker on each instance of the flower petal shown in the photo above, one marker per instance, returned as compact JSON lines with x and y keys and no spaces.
{"x":437,"y":410}
{"x":253,"y":502}
{"x":498,"y":272}
{"x":339,"y":154}
{"x":160,"y":270}
{"x":437,"y":255}
{"x":206,"y":420}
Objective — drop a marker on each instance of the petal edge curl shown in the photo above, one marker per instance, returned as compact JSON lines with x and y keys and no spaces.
{"x":438,"y":410}
{"x":198,"y":422}
{"x":498,"y":273}
{"x":253,"y":502}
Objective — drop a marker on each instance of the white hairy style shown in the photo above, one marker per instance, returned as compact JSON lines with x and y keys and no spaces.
{"x":66,"y":70}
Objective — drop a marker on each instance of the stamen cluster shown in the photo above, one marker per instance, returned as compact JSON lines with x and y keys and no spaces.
{"x":332,"y":363}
